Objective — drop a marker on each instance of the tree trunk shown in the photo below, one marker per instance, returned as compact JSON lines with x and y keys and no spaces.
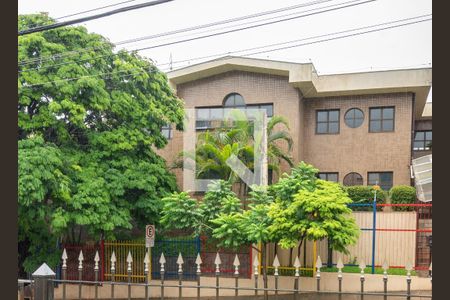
{"x":290,"y":256}
{"x":330,"y":255}
{"x":264,"y":264}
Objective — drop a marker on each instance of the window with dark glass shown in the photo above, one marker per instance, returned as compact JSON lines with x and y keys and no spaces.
{"x":381,"y":119}
{"x":329,"y":176}
{"x":327,"y":121}
{"x":383,"y":179}
{"x":166,"y":131}
{"x":422,"y":140}
{"x":212,"y":117}
{"x":354,"y":117}
{"x":234,"y":100}
{"x":353,"y":178}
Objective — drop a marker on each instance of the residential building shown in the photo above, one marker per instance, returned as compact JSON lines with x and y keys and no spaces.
{"x":356,"y":128}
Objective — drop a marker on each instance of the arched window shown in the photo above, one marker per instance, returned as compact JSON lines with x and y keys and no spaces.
{"x":233,"y":100}
{"x":353,"y":178}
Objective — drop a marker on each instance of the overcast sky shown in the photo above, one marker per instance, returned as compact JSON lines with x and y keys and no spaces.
{"x":404,"y":47}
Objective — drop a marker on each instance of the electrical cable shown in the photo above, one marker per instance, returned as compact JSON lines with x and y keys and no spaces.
{"x":270,"y":50}
{"x":297,"y":40}
{"x":93,"y":17}
{"x":168,"y":33}
{"x":206,"y":36}
{"x":94,"y":9}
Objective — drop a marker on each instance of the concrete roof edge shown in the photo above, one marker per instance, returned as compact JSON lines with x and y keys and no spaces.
{"x":305,"y":77}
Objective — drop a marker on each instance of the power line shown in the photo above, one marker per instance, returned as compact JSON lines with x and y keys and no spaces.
{"x":94,"y":9}
{"x":270,"y":50}
{"x":93,"y":17}
{"x":351,"y":4}
{"x":188,"y":29}
{"x":298,"y":40}
{"x":340,"y":37}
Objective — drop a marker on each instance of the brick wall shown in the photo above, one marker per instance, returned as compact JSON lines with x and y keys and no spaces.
{"x":356,"y":149}
{"x":254,"y":88}
{"x":352,"y":150}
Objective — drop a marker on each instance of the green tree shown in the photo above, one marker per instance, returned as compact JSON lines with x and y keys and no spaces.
{"x":89,"y":121}
{"x":248,"y":227}
{"x":235,"y":137}
{"x":315,"y":215}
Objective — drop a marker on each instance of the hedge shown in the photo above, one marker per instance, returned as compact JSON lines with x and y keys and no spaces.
{"x":364,"y":194}
{"x":402,"y":194}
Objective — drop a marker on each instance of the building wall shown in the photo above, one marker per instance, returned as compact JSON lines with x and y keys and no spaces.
{"x":254,"y":88}
{"x":356,"y":149}
{"x":352,"y":150}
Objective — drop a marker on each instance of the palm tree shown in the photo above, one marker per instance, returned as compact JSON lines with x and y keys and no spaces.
{"x":236,"y":137}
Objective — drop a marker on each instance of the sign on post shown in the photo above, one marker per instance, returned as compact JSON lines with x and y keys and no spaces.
{"x":149,"y":236}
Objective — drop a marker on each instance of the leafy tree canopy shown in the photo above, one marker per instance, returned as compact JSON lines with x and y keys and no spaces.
{"x":89,"y":123}
{"x":315,"y":215}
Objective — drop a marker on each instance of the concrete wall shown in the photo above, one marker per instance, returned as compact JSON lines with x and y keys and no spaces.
{"x":397,"y":248}
{"x":329,"y":282}
{"x":356,"y":149}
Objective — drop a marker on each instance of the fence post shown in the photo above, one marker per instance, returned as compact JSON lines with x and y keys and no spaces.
{"x":80,"y":272}
{"x":236,"y":264}
{"x":198,"y":262}
{"x":276,"y":264}
{"x":256,"y":265}
{"x":129,"y":270}
{"x":43,"y":283}
{"x":162,"y":261}
{"x":180,"y":263}
{"x":217,"y":262}
{"x":64,"y":272}
{"x":146,"y":271}
{"x":374,"y":230}
{"x":96,"y":260}
{"x":385,"y":278}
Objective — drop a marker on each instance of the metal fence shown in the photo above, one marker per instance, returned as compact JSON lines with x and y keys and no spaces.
{"x":171,"y":247}
{"x":413,"y":230}
{"x":88,"y":251}
{"x":43,"y":289}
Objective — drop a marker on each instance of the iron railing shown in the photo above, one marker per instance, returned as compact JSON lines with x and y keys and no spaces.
{"x":162,"y":285}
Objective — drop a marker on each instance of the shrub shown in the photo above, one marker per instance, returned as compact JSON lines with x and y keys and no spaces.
{"x":402,"y":194}
{"x":364,"y":194}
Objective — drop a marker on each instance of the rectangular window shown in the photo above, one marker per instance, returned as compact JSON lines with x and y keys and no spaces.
{"x":212,"y":117}
{"x":329,"y":176}
{"x":383,"y":179}
{"x":327,"y":121}
{"x":422,"y":140}
{"x":381,"y":119}
{"x":267,"y":107}
{"x":166,"y":131}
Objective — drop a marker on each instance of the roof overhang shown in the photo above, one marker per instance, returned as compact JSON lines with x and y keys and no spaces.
{"x":312,"y":85}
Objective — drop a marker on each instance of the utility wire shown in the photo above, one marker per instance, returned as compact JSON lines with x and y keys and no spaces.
{"x":208,"y":35}
{"x":271,"y":50}
{"x":94,"y":9}
{"x":297,"y":40}
{"x":93,"y":17}
{"x":168,"y":33}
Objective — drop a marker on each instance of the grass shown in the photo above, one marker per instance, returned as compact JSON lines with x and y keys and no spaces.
{"x":368,"y":270}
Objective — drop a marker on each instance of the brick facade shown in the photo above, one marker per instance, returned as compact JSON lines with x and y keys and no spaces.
{"x":357,"y":149}
{"x":352,"y":150}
